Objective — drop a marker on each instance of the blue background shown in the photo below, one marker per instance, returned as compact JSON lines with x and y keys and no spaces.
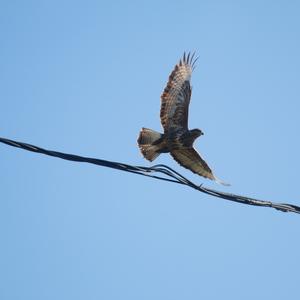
{"x":83,"y":77}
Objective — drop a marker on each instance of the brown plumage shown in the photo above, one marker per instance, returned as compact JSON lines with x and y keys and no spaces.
{"x":177,"y":138}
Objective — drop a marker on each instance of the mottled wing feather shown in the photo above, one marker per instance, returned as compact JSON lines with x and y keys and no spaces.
{"x":190,"y":159}
{"x":176,"y":96}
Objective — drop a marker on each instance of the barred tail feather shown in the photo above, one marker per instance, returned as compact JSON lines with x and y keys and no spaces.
{"x":147,"y":145}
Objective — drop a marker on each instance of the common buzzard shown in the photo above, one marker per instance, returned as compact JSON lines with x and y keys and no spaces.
{"x":177,"y":138}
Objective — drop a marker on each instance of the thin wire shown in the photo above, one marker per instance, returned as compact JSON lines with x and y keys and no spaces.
{"x":165,"y":173}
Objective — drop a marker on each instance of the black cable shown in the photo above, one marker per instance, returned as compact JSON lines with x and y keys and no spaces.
{"x":166,"y":173}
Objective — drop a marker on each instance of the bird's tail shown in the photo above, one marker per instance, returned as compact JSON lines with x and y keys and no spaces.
{"x":148,"y":142}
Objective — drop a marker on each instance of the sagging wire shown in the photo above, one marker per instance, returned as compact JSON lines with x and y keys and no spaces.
{"x":165,"y":173}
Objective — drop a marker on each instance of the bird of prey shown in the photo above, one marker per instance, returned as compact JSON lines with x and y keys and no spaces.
{"x":177,"y":139}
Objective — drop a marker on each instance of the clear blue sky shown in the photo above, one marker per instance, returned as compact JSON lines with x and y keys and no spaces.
{"x":83,"y":77}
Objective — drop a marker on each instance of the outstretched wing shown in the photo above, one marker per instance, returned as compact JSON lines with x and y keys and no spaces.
{"x":190,"y":159}
{"x":176,"y":96}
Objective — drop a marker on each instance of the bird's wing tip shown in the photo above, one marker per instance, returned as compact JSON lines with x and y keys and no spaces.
{"x":217,"y":180}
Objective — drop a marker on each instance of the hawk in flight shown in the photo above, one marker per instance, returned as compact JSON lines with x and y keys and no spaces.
{"x":177,"y":138}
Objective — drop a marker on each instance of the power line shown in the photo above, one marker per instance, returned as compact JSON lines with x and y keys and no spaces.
{"x":160,"y":172}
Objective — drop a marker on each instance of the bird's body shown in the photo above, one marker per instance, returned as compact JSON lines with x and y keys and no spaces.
{"x":177,"y":138}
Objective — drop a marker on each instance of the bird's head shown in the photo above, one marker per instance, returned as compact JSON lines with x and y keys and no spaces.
{"x":196,"y":133}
